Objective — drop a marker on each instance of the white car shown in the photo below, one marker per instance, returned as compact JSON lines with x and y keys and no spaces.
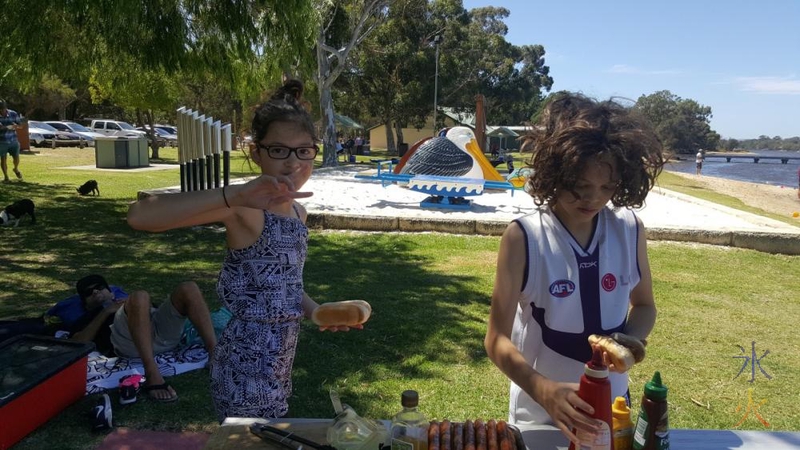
{"x":40,"y":137}
{"x":115,"y":128}
{"x":76,"y":128}
{"x":53,"y":137}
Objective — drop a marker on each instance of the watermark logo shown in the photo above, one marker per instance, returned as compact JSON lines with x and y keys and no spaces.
{"x":753,"y":362}
{"x":751,"y":408}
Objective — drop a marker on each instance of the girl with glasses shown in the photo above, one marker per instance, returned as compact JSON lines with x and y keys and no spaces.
{"x":261,"y":281}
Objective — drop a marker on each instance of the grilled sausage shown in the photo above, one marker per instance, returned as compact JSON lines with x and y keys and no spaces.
{"x":433,"y":436}
{"x":502,"y":435}
{"x":480,"y":435}
{"x":444,"y":435}
{"x":491,"y":435}
{"x":469,"y":435}
{"x":458,"y":436}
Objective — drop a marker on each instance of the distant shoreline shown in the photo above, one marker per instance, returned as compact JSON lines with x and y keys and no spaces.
{"x":779,"y":200}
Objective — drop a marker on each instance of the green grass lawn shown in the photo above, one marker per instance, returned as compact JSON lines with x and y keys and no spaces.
{"x":430,"y":295}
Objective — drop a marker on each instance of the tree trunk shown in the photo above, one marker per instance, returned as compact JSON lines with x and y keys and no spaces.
{"x":151,"y":134}
{"x":399,"y":130}
{"x":391,"y":149}
{"x":329,"y":158}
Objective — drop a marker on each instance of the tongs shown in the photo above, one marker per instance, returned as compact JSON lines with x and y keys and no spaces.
{"x":286,"y":438}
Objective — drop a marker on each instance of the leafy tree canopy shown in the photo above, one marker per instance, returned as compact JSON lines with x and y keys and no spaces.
{"x":682,"y":124}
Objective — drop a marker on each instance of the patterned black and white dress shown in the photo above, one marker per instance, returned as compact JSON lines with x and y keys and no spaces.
{"x":262,"y":285}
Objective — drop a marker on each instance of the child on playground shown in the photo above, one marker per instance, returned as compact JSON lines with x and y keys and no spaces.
{"x":576,"y":266}
{"x":261,"y":281}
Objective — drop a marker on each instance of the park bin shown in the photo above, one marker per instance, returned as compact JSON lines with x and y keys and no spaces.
{"x":23,"y":135}
{"x":118,"y":152}
{"x":402,"y":148}
{"x":39,"y":377}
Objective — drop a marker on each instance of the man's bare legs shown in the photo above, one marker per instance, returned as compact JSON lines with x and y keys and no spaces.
{"x":188,"y":301}
{"x":137,"y":308}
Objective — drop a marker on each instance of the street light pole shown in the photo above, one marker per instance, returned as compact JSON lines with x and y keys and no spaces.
{"x":436,"y":40}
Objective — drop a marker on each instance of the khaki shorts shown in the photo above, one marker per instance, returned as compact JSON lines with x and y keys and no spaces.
{"x":167,"y":325}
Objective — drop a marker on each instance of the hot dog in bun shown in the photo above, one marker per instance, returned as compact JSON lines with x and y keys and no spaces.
{"x":623,"y":350}
{"x":344,"y":313}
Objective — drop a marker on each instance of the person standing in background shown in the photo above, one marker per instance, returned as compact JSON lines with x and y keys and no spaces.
{"x":9,"y":121}
{"x":359,"y":145}
{"x":698,"y":159}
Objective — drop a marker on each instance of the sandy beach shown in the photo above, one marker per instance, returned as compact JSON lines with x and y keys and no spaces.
{"x":774,"y":199}
{"x":337,"y":192}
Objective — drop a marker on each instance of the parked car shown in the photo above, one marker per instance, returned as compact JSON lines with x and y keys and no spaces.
{"x":76,"y":128}
{"x":115,"y":128}
{"x":165,"y":138}
{"x":56,"y":137}
{"x":40,"y":137}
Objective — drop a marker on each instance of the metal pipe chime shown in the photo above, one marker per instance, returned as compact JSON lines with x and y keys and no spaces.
{"x":200,"y":142}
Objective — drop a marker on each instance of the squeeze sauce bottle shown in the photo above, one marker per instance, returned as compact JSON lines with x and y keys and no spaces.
{"x":623,"y":426}
{"x":595,"y":389}
{"x":652,"y":426}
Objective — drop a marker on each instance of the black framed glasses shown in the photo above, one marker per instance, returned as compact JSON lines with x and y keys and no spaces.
{"x":283,"y":152}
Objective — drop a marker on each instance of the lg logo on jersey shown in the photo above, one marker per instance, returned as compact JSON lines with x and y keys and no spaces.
{"x":609,"y":282}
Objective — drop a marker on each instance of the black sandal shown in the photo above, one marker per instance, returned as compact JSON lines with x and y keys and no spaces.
{"x":160,"y":387}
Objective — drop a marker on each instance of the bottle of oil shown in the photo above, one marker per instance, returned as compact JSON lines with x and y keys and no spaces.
{"x":409,"y":426}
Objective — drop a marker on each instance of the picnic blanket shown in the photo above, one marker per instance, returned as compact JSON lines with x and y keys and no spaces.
{"x":104,"y":373}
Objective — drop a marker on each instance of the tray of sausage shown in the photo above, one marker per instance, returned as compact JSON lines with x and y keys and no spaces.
{"x":474,"y":435}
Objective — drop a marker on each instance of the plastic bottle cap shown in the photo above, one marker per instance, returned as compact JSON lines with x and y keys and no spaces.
{"x":620,"y":408}
{"x":409,"y":399}
{"x":595,"y":368}
{"x":655,"y":389}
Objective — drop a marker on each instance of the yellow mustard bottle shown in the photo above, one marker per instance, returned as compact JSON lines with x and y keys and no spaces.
{"x":622,"y":424}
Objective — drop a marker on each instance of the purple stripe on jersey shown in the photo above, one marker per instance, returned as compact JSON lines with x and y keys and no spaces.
{"x":527,"y":256}
{"x":576,"y":345}
{"x":638,"y":269}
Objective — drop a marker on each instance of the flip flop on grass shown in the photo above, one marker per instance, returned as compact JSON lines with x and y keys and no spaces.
{"x":164,"y":387}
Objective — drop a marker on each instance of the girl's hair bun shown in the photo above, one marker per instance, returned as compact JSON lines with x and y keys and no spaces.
{"x":291,"y":88}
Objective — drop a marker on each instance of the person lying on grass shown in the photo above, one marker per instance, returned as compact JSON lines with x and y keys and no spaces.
{"x":129,"y":326}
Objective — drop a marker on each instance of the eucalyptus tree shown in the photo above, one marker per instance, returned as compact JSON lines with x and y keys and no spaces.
{"x":343,"y":25}
{"x":391,"y":74}
{"x":479,"y":60}
{"x":681,"y":124}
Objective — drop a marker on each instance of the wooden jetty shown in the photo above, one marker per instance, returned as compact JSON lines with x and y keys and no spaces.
{"x":755,"y":158}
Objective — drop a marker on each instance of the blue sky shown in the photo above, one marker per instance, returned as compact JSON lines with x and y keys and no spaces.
{"x":741,"y":58}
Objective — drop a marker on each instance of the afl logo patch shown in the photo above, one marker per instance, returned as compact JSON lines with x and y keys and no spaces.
{"x":609,"y":282}
{"x":562,"y":288}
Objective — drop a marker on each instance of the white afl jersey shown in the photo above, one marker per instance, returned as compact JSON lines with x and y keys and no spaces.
{"x":568,"y":293}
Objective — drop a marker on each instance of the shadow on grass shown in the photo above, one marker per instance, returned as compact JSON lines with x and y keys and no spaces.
{"x":420,"y":312}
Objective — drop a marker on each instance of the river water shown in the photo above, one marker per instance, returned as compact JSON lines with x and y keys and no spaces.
{"x":765,"y":171}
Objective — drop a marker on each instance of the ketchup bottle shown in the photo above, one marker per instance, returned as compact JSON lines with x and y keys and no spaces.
{"x":595,"y":389}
